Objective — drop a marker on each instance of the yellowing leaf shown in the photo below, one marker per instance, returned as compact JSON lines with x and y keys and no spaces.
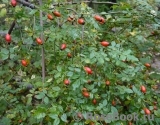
{"x":49,"y":80}
{"x":133,"y":33}
{"x":84,"y":4}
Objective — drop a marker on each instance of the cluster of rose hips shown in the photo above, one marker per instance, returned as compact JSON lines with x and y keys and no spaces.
{"x":63,"y":46}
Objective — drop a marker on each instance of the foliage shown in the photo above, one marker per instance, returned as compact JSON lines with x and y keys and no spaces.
{"x":132,"y":30}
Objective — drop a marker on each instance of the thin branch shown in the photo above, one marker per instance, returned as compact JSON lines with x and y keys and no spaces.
{"x":25,"y":3}
{"x":60,"y":25}
{"x":42,"y":38}
{"x":43,"y":56}
{"x":93,"y":2}
{"x":72,"y":10}
{"x":11,"y":27}
{"x":82,"y":39}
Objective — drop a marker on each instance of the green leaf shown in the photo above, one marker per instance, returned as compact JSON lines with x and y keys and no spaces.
{"x":5,"y":51}
{"x":57,"y":75}
{"x":128,"y":90}
{"x":157,"y":112}
{"x":38,"y":84}
{"x":40,"y":115}
{"x":92,"y":54}
{"x":114,"y":110}
{"x":155,"y":75}
{"x":109,"y":118}
{"x":96,"y":26}
{"x":70,"y":74}
{"x":29,"y":100}
{"x":46,"y":100}
{"x":64,"y":117}
{"x":71,"y":68}
{"x":122,"y":57}
{"x":77,"y":69}
{"x":127,"y":52}
{"x":135,"y":90}
{"x":103,"y":13}
{"x":56,"y":88}
{"x":3,"y":56}
{"x":56,"y":121}
{"x":12,"y":56}
{"x":59,"y":68}
{"x":113,"y":44}
{"x":132,"y":58}
{"x":76,"y":84}
{"x":3,"y":12}
{"x":104,"y":102}
{"x":40,"y":95}
{"x":32,"y":12}
{"x":53,"y":116}
{"x":101,"y":61}
{"x":5,"y":121}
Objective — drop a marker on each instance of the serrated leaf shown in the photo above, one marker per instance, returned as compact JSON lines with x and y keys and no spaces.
{"x":128,"y":90}
{"x":4,"y":51}
{"x":3,"y":56}
{"x":56,"y":121}
{"x":135,"y":90}
{"x":101,"y":60}
{"x":46,"y":100}
{"x":77,"y":69}
{"x":32,"y":12}
{"x":157,"y":112}
{"x":155,"y":76}
{"x":59,"y":68}
{"x":53,"y":116}
{"x":131,"y":58}
{"x":40,"y":115}
{"x":122,"y":57}
{"x":92,"y":55}
{"x":56,"y":88}
{"x":29,"y":100}
{"x":70,"y":74}
{"x":109,"y":118}
{"x":104,"y":102}
{"x":64,"y":117}
{"x":40,"y":95}
{"x":57,"y":75}
{"x":114,"y":110}
{"x":127,"y":52}
{"x":5,"y":121}
{"x":76,"y":84}
{"x":113,"y":44}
